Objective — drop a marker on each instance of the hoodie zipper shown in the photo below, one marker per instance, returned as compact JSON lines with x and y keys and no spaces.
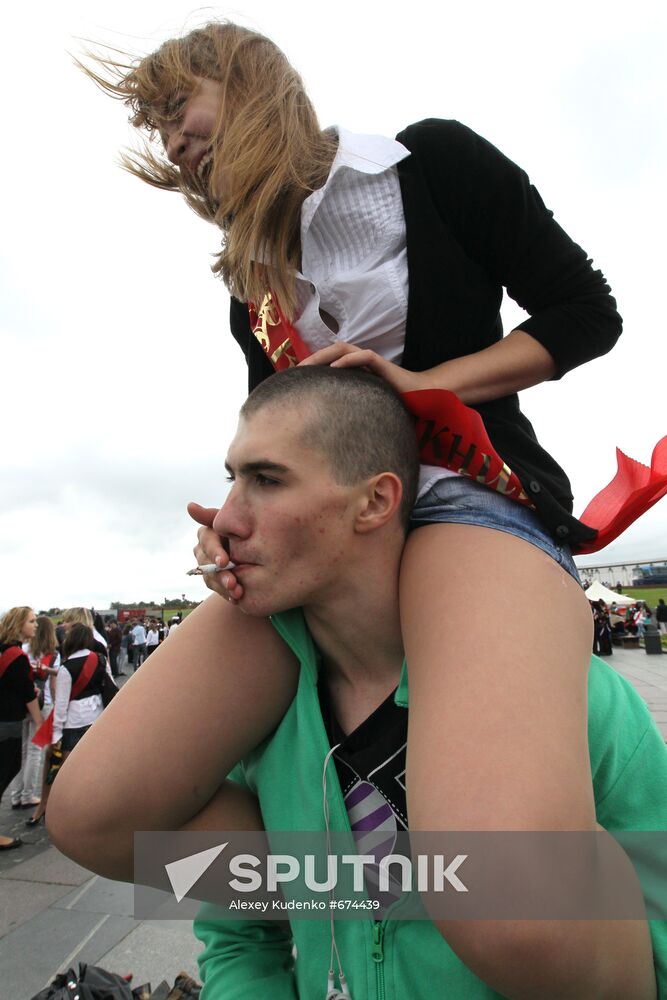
{"x":378,"y":957}
{"x":377,"y":953}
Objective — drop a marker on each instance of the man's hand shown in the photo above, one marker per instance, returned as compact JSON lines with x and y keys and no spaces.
{"x":209,"y":549}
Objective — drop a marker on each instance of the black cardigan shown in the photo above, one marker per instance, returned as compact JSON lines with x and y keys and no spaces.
{"x":474,"y":225}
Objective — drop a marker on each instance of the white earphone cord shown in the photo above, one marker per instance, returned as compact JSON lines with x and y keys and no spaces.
{"x":332,"y":992}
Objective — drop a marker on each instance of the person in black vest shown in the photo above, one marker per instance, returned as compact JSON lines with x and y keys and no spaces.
{"x":74,"y":715}
{"x":393,"y":254}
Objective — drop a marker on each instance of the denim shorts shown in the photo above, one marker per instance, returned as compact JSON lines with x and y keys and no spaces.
{"x":460,"y":500}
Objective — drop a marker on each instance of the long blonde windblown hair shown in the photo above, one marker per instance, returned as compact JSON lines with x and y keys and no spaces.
{"x":11,"y":625}
{"x":269,"y":152}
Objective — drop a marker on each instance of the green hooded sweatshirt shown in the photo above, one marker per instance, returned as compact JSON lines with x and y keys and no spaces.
{"x":394,"y":959}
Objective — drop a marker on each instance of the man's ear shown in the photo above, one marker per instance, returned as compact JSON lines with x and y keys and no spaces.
{"x":379,"y":503}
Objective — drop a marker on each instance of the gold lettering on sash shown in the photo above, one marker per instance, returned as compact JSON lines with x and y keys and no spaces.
{"x":286,"y":349}
{"x":503,"y":479}
{"x":483,"y":470}
{"x":267,"y":316}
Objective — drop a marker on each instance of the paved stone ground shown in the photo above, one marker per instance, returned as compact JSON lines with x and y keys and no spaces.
{"x":54,"y":914}
{"x":648,"y":674}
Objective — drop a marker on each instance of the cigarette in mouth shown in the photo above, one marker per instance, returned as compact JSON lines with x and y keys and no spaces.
{"x":209,"y":568}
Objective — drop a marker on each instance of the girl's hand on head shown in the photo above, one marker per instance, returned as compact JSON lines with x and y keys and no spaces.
{"x":209,"y":549}
{"x":342,"y":355}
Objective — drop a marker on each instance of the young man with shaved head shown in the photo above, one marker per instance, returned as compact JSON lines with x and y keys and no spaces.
{"x":324,"y":468}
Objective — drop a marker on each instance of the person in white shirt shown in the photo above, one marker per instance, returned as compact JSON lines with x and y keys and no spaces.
{"x":138,"y":645}
{"x":152,"y":638}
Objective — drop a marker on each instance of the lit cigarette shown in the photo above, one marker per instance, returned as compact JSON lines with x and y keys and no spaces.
{"x":209,"y":568}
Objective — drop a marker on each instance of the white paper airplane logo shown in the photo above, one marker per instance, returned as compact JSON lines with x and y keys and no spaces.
{"x":186,"y":871}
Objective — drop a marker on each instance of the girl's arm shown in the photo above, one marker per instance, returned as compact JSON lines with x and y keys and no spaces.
{"x":516,"y":362}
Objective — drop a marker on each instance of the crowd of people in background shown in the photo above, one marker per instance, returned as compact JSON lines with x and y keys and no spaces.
{"x":40,"y":661}
{"x":133,"y":642}
{"x":55,"y":674}
{"x":621,"y":620}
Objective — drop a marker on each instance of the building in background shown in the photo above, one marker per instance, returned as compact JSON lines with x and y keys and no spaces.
{"x":649,"y":573}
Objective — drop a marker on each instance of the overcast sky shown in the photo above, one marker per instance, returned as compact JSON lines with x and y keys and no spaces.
{"x":120,"y":380}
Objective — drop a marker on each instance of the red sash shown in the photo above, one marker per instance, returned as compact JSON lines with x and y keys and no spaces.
{"x":277,"y":337}
{"x":44,"y":735}
{"x":8,"y":657}
{"x":452,"y":435}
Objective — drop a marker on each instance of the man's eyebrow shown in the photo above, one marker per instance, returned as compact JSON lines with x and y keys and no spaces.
{"x":260,"y":465}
